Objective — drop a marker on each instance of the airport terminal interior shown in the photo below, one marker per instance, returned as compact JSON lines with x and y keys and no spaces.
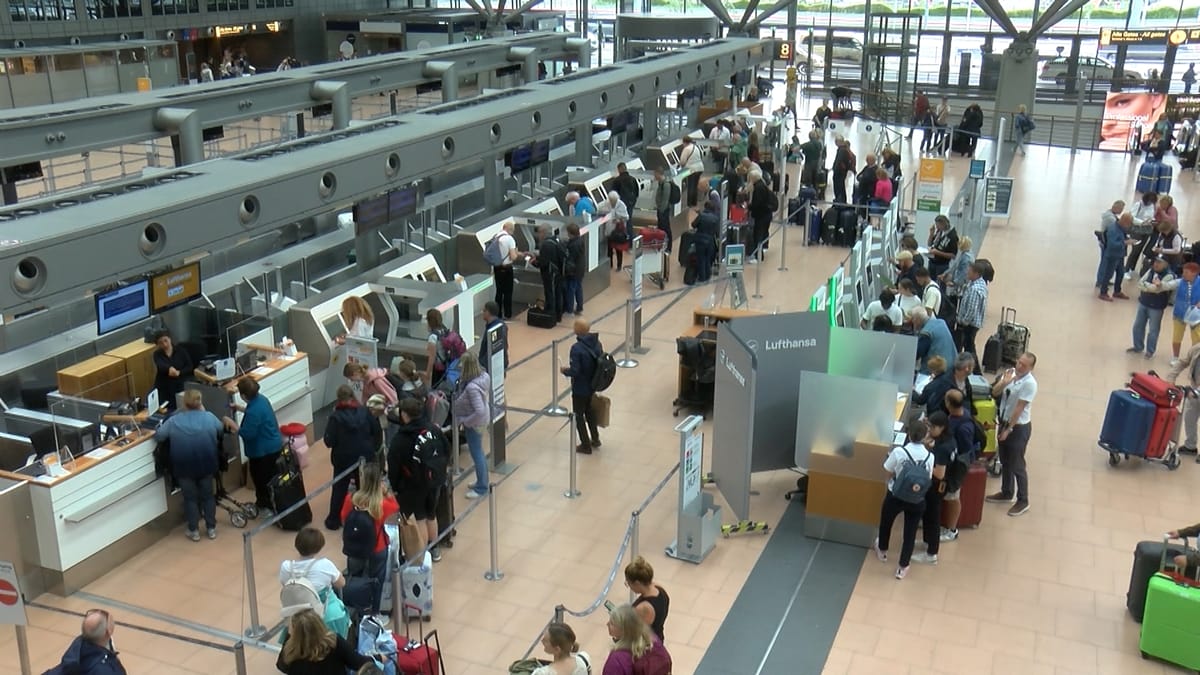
{"x":233,"y":173}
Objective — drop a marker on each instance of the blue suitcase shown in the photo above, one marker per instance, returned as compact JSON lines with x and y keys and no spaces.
{"x":1166,"y":173}
{"x":1127,"y":424}
{"x":1147,"y":178}
{"x":815,"y":220}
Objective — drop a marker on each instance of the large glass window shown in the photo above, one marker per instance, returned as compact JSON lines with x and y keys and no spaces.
{"x":169,"y":7}
{"x":113,"y":9}
{"x":41,"y":10}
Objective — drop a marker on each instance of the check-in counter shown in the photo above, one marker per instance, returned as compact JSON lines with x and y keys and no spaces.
{"x":283,"y":380}
{"x":93,"y":517}
{"x":593,"y":233}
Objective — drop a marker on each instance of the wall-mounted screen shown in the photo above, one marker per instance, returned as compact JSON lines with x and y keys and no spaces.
{"x":618,"y":123}
{"x":174,"y":288}
{"x":402,"y":203}
{"x":121,"y":307}
{"x":370,"y":214}
{"x":540,"y":153}
{"x":518,"y":158}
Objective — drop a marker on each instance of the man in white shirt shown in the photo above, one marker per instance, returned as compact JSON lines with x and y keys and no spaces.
{"x":720,"y":133}
{"x":913,"y":451}
{"x":509,"y":253}
{"x":1016,"y":389}
{"x":884,"y":306}
{"x":931,"y":295}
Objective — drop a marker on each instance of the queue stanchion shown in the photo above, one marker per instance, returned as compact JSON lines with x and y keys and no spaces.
{"x":783,"y":243}
{"x":573,"y":491}
{"x":239,"y":658}
{"x":554,"y":408}
{"x":256,"y":630}
{"x":456,"y":447}
{"x":635,"y":523}
{"x":628,"y":362}
{"x":493,"y":573}
{"x":758,"y":253}
{"x":23,"y":650}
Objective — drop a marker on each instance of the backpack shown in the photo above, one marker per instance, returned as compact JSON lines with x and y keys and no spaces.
{"x":359,"y":535}
{"x":912,"y":481}
{"x":772,"y":200}
{"x":491,"y":253}
{"x":430,"y":457}
{"x":437,"y":407}
{"x":383,"y":386}
{"x":298,"y":592}
{"x":606,"y":370}
{"x":981,"y":437}
{"x":675,"y":193}
{"x":450,"y":346}
{"x":570,"y":259}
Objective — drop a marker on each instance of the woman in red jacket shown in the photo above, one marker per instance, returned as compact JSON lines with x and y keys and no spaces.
{"x":376,"y":499}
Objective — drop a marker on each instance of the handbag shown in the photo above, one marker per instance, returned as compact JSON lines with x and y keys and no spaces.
{"x":1192,"y":317}
{"x":601,"y":407}
{"x":412,"y":537}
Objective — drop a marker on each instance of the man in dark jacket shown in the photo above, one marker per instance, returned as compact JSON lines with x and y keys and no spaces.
{"x":417,"y":497}
{"x":194,"y":435}
{"x":491,"y":319}
{"x":934,"y":394}
{"x":760,"y":214}
{"x":172,"y":367}
{"x":627,"y":187}
{"x":574,"y":268}
{"x":864,"y":183}
{"x":963,"y":429}
{"x":584,"y":355}
{"x":707,"y":227}
{"x":352,"y":433}
{"x":91,"y":653}
{"x":550,"y":257}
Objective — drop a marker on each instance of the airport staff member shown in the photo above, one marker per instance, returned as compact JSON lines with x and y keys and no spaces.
{"x":92,"y":652}
{"x":172,"y":367}
{"x":1016,"y":390}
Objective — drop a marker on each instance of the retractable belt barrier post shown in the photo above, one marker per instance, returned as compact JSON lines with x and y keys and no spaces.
{"x":635,"y":526}
{"x":493,"y":573}
{"x":455,"y":447}
{"x":554,"y":408}
{"x":573,"y":491}
{"x":783,"y":244}
{"x":256,"y":630}
{"x":628,"y":362}
{"x":23,"y":650}
{"x":239,"y":658}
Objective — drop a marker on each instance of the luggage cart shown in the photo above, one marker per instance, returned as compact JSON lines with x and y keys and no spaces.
{"x":1170,"y":455}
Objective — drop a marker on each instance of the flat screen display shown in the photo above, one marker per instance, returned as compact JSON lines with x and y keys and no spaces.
{"x":370,"y":214}
{"x":402,"y":203}
{"x":174,"y":288}
{"x":540,"y":153}
{"x":518,"y":158}
{"x":618,"y":122}
{"x":122,"y":306}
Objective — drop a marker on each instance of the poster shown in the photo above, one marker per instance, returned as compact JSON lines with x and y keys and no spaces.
{"x":496,"y":349}
{"x":1122,"y":109}
{"x":930,"y":174}
{"x":692,"y":461}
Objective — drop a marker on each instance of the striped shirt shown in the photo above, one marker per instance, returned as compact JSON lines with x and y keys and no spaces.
{"x":973,"y":305}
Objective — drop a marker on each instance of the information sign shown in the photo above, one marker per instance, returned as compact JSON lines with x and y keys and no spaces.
{"x":1148,"y":36}
{"x":12,"y":605}
{"x":638,"y":264}
{"x":496,"y":349}
{"x":978,"y":169}
{"x":735,"y":257}
{"x":997,"y":197}
{"x":931,"y":172}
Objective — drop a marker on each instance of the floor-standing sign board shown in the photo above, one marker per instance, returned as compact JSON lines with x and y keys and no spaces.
{"x":497,"y":347}
{"x":997,"y":196}
{"x":930,"y":175}
{"x":12,"y":605}
{"x":698,"y":518}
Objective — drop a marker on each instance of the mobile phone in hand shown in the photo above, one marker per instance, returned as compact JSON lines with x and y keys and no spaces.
{"x":609,"y":605}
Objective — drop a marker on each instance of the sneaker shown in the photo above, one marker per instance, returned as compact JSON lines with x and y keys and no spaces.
{"x":194,"y":535}
{"x":583,"y":449}
{"x":1018,"y":509}
{"x":1120,"y":296}
{"x":474,"y":494}
{"x":882,"y":555}
{"x":435,"y":554}
{"x":1186,"y":450}
{"x":999,"y":497}
{"x":212,"y":533}
{"x":1149,"y":355}
{"x":1133,"y":350}
{"x":925,"y":558}
{"x":901,"y":572}
{"x":948,"y":535}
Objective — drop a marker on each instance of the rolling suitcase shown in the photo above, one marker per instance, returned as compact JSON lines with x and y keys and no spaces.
{"x":847,"y":227}
{"x":985,"y":412}
{"x":1127,"y":423}
{"x":815,"y":223}
{"x":1166,"y":174}
{"x":419,"y":657}
{"x":971,"y":496}
{"x":1162,"y":432}
{"x":1147,"y":560}
{"x":1171,"y":622}
{"x":821,"y":182}
{"x":980,"y":389}
{"x":416,"y":580}
{"x":829,"y":225}
{"x":445,"y":513}
{"x":991,"y":354}
{"x":287,"y":490}
{"x":538,"y":317}
{"x":1014,"y":337}
{"x":1156,"y":390}
{"x":1147,"y":178}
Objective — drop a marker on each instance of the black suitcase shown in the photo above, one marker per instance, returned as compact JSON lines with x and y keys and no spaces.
{"x":685,"y":243}
{"x":821,"y":182}
{"x":445,"y":512}
{"x":829,"y":225}
{"x":961,"y":142}
{"x":1147,"y":557}
{"x":1014,"y":337}
{"x":991,"y":354}
{"x":538,"y":317}
{"x":287,"y":490}
{"x":847,"y":227}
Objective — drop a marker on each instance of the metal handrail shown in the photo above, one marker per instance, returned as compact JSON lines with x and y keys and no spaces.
{"x":560,"y":611}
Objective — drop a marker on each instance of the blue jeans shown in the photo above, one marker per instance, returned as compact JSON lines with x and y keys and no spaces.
{"x":1146,"y":318}
{"x":198,"y":496}
{"x":1111,"y":267}
{"x":573,"y":289}
{"x":475,"y":445}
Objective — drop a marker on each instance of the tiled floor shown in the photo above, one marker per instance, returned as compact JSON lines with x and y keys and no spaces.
{"x":1043,"y":593}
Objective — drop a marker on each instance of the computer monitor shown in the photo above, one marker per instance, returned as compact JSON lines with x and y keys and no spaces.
{"x":121,"y":307}
{"x":14,"y":455}
{"x":247,"y":362}
{"x":175,"y":287}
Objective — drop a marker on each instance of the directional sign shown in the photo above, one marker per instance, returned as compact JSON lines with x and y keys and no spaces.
{"x":12,"y":605}
{"x":1149,"y":36}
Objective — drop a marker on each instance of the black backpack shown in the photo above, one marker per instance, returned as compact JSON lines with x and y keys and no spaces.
{"x":430,"y":457}
{"x":606,"y":370}
{"x":772,"y":200}
{"x":359,"y":535}
{"x":675,"y":194}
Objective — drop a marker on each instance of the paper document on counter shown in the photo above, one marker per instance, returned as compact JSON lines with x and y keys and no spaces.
{"x":262,"y":371}
{"x":99,"y":453}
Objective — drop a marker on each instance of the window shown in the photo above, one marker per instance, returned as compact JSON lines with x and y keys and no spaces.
{"x":171,"y":7}
{"x":41,"y":10}
{"x":113,"y":9}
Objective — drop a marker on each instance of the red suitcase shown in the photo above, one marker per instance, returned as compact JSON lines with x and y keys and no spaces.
{"x":419,"y":657}
{"x":1162,"y":432}
{"x":971,"y":495}
{"x":1156,"y":390}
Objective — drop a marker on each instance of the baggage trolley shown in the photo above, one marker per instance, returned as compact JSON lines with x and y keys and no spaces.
{"x":1170,"y":454}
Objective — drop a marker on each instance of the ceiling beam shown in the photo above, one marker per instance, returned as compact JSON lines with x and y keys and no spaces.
{"x":51,"y":253}
{"x":1047,"y":21}
{"x":995,"y":12}
{"x":766,"y":14}
{"x":41,"y":132}
{"x":719,"y":11}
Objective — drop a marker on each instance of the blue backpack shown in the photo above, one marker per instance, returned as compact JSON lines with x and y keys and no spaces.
{"x":912,"y":481}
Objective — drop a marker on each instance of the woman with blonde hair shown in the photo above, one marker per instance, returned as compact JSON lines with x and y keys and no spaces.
{"x":313,"y":649}
{"x":566,"y":659}
{"x":635,"y":648}
{"x":376,"y":500}
{"x":358,"y":317}
{"x":472,"y":409}
{"x":373,"y":380}
{"x":652,"y":603}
